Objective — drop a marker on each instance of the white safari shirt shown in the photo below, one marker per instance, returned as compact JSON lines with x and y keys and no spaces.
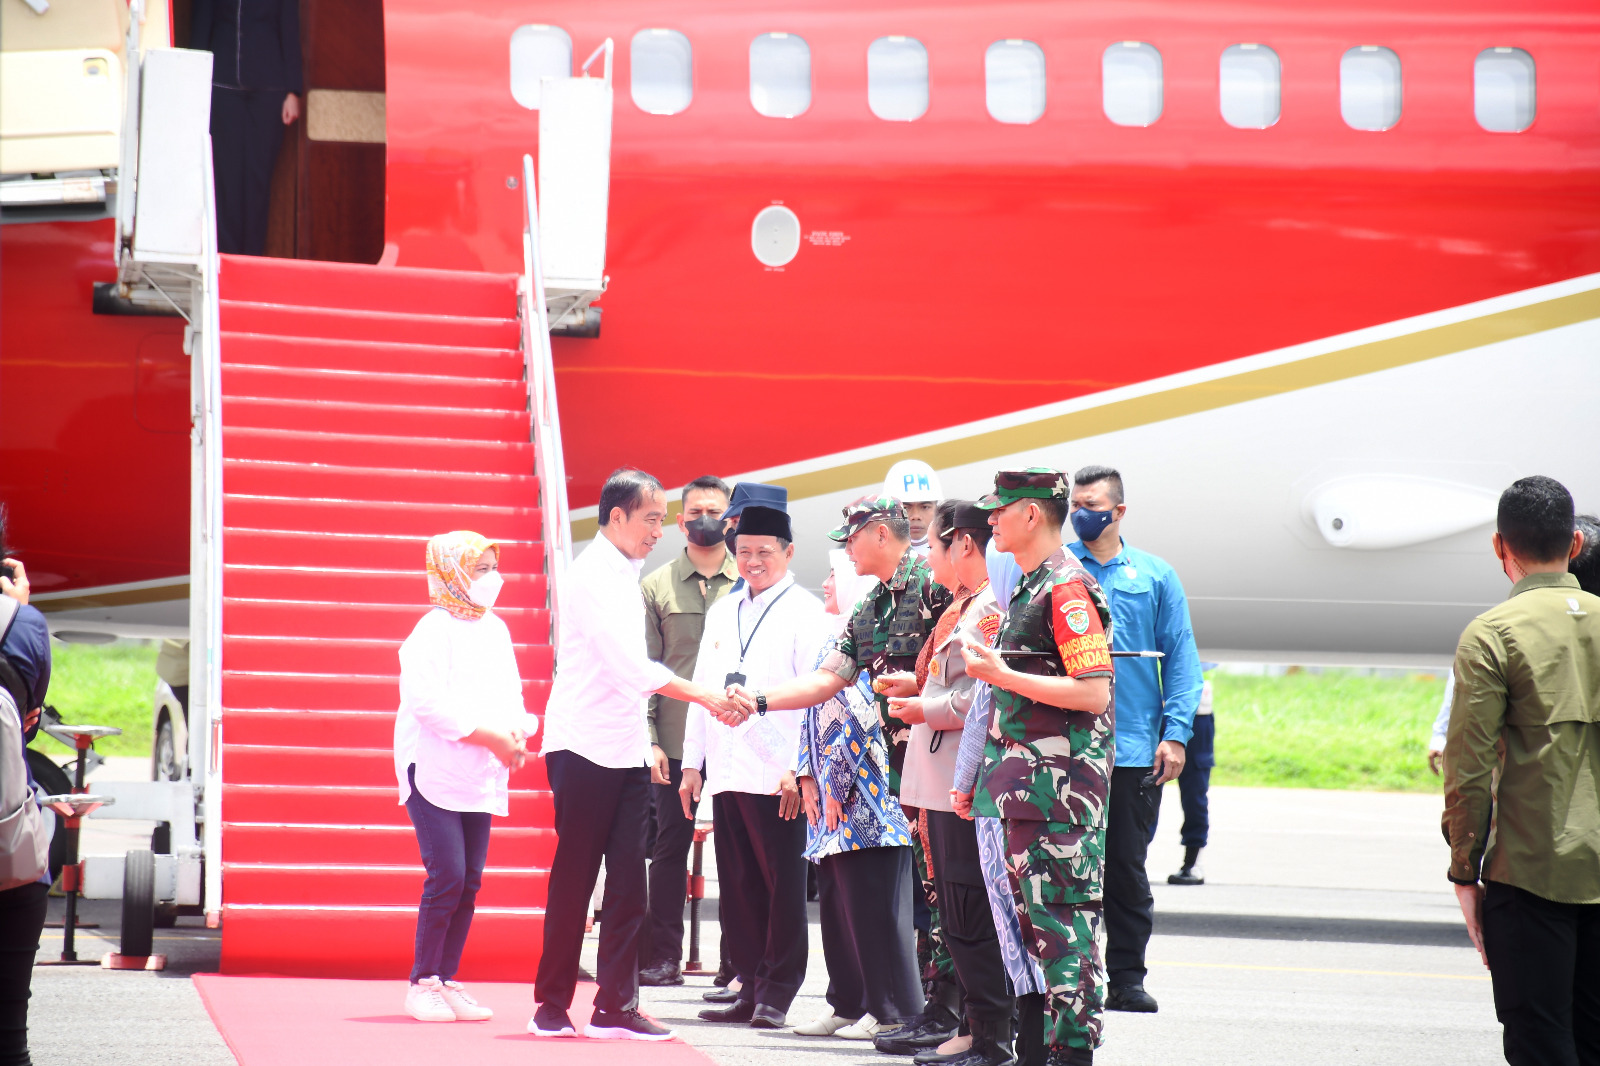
{"x":457,"y":676}
{"x":752,"y":756}
{"x":603,"y":673}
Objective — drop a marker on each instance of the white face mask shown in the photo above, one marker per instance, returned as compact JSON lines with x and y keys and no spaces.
{"x":486,"y":589}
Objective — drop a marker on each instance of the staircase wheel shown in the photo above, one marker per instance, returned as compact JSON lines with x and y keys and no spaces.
{"x":55,"y":782}
{"x":138,"y":903}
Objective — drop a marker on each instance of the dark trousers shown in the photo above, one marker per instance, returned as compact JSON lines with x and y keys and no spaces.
{"x":1129,"y":907}
{"x":22,"y":911}
{"x":761,"y":895}
{"x":1544,"y":960}
{"x":246,"y":133}
{"x":454,"y":846}
{"x":599,"y":812}
{"x":1194,"y":784}
{"x":968,"y":921}
{"x":661,"y":939}
{"x":867,"y":938}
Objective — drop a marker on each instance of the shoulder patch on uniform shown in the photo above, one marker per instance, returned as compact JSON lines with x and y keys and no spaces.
{"x":989,"y":626}
{"x":1077,"y":615}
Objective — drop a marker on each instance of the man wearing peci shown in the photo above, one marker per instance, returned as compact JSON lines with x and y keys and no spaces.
{"x":765,"y":634}
{"x":598,"y":759}
{"x":1521,"y":764}
{"x":676,"y":599}
{"x":1156,"y":704}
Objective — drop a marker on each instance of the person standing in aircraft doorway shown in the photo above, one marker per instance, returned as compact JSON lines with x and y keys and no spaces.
{"x":256,"y":82}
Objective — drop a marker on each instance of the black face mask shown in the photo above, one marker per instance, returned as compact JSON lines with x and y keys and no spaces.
{"x":704,"y":531}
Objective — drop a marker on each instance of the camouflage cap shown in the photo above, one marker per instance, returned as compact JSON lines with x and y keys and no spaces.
{"x":867,"y":509}
{"x":1034,"y":483}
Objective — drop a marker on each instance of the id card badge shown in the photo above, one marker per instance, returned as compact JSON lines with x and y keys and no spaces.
{"x":734,"y":678}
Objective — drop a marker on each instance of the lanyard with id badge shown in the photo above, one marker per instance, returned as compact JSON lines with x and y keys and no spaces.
{"x":736,"y":676}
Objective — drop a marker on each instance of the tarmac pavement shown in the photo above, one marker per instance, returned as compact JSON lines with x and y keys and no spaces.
{"x":1326,"y":933}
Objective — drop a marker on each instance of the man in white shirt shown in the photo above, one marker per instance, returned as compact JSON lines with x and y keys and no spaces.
{"x":767,"y":632}
{"x":598,"y":758}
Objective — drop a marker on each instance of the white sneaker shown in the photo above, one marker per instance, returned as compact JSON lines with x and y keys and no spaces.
{"x":864,"y":1028}
{"x":466,"y":1008}
{"x":826,"y":1024}
{"x":425,"y":1001}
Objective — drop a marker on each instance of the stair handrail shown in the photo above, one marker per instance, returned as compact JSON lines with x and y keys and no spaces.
{"x":549,"y":460}
{"x":205,"y":592}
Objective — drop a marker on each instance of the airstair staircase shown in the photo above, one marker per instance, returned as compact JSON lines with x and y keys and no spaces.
{"x":364,"y":409}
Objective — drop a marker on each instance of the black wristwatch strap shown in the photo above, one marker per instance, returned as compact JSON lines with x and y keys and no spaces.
{"x":761,"y":700}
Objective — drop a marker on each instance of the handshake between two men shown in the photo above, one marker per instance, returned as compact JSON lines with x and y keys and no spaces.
{"x":735,"y":706}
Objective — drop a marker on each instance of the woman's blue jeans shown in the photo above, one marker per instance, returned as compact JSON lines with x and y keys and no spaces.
{"x":454,"y":846}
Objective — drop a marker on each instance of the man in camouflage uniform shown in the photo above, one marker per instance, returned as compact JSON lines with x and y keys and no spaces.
{"x":1047,"y":765}
{"x":884,"y":635}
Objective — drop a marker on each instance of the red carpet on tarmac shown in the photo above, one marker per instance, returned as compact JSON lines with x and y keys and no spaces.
{"x":297,"y":1021}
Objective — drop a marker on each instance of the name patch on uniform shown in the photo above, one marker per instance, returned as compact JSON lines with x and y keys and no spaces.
{"x":1085,"y":653}
{"x":1077,"y":615}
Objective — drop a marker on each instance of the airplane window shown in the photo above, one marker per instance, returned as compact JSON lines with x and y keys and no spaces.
{"x":1251,"y":86}
{"x":897,"y":78}
{"x":1503,"y":87}
{"x":1014,"y":81}
{"x":663,"y":71}
{"x":780,"y":75}
{"x":1369,"y":88}
{"x":537,"y":52}
{"x":1130,"y":83}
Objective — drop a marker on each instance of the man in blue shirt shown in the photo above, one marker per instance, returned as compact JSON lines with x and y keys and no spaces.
{"x":1155,"y":703}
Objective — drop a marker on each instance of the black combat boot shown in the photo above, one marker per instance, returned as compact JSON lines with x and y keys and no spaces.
{"x":1187,"y":875}
{"x":1070,"y":1056}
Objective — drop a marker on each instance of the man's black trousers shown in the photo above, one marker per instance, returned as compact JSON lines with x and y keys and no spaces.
{"x":761,"y":895}
{"x":599,"y":812}
{"x":1129,"y":907}
{"x":662,"y":937}
{"x":967,"y":920}
{"x":867,"y":937}
{"x":1544,"y":960}
{"x":246,"y":133}
{"x":22,"y":913}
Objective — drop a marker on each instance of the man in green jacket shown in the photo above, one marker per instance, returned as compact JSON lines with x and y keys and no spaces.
{"x":1522,"y":785}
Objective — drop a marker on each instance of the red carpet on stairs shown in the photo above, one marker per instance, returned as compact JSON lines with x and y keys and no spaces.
{"x":364,"y":409}
{"x":283,"y":1021}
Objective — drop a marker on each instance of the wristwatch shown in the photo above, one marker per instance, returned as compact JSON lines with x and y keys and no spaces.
{"x":761,"y":703}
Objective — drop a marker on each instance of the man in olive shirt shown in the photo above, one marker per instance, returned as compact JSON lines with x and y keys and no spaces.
{"x":1522,"y":762}
{"x":676,"y":598}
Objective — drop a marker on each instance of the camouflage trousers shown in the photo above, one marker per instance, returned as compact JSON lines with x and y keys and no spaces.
{"x":933,"y":957}
{"x":1055,"y":872}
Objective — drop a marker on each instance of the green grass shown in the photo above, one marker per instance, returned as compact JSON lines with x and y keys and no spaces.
{"x":1325,"y":730}
{"x":103,"y":684}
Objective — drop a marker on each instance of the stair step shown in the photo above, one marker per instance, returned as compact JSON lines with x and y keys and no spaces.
{"x":354,"y":285}
{"x":359,"y":804}
{"x":257,"y":477}
{"x":379,"y":357}
{"x":371,"y":942}
{"x":387,"y":420}
{"x":420,"y":520}
{"x":299,"y":384}
{"x":409,"y":588}
{"x":324,"y":655}
{"x":393,"y":886}
{"x":374,"y":621}
{"x":359,"y":450}
{"x":335,"y":692}
{"x":293,"y":320}
{"x":383,"y":845}
{"x":339,"y":729}
{"x":287,"y":547}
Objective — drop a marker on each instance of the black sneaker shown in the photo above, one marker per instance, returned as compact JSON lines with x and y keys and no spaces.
{"x":936,"y":1024}
{"x":661,"y":975}
{"x":1131,"y":998}
{"x":623,"y":1025}
{"x":550,"y":1020}
{"x":1070,"y":1056}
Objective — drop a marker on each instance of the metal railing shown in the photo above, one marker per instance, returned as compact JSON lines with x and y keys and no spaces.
{"x":539,"y":366}
{"x":205,"y":582}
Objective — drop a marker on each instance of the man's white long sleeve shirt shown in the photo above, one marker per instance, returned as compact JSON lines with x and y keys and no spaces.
{"x":457,"y":676}
{"x":603,"y":672}
{"x":752,"y":756}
